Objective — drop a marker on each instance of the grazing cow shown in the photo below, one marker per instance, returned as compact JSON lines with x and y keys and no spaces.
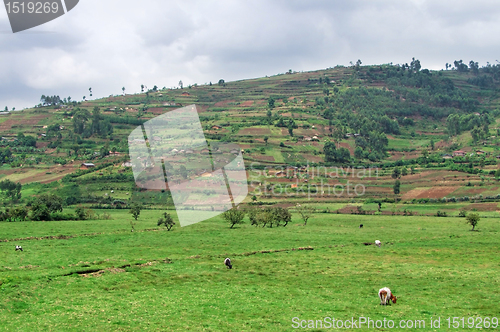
{"x":386,"y":296}
{"x":227,"y":262}
{"x":361,"y":226}
{"x":19,"y":248}
{"x":378,"y":243}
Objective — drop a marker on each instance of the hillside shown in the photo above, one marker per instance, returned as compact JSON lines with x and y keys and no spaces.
{"x":381,"y":117}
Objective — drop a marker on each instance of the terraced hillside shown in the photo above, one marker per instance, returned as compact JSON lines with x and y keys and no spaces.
{"x":372,"y":117}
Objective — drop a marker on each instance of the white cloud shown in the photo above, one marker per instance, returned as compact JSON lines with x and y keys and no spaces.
{"x":109,"y":44}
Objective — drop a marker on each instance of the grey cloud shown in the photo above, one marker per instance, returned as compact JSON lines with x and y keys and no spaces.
{"x":110,"y":44}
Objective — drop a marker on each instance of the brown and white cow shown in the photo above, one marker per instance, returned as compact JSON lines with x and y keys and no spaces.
{"x":386,"y":296}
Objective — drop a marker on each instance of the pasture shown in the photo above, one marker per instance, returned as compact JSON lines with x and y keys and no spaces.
{"x":97,"y":274}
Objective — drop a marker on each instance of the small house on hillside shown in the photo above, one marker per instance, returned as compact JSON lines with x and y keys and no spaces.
{"x":447,"y":156}
{"x":480,"y":152}
{"x":185,"y":93}
{"x":216,"y":127}
{"x":459,"y":153}
{"x":87,"y":166}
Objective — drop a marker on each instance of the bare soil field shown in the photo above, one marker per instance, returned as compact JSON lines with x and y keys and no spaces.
{"x":224,"y":103}
{"x":436,"y":192}
{"x":32,"y":121}
{"x":42,"y":175}
{"x":347,"y":146}
{"x":157,"y":110}
{"x":482,"y":207}
{"x":246,"y":103}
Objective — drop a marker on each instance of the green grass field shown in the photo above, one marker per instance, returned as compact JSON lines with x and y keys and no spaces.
{"x":436,"y":267}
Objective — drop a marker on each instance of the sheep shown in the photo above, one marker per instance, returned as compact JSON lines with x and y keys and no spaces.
{"x":385,"y":295}
{"x":19,"y":248}
{"x":378,"y":243}
{"x":227,"y":262}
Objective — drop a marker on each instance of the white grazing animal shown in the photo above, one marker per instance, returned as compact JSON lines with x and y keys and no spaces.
{"x":385,"y":295}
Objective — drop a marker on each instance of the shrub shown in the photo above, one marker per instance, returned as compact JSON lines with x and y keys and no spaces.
{"x":166,"y":220}
{"x":57,"y":216}
{"x":441,"y":214}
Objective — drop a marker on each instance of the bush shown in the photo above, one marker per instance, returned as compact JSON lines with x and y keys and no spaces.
{"x":441,"y":214}
{"x":57,"y":216}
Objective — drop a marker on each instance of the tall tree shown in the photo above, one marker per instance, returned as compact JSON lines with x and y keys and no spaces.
{"x":96,"y":117}
{"x":397,"y":187}
{"x":80,"y":118}
{"x":330,"y":151}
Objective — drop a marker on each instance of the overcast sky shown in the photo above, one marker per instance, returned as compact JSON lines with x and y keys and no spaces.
{"x":110,"y":44}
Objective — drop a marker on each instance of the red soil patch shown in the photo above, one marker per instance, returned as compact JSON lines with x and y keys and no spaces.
{"x":40,"y":145}
{"x":442,"y":145}
{"x":157,"y":110}
{"x":9,"y":171}
{"x":483,"y":206}
{"x":349,"y":147}
{"x":246,"y":103}
{"x":436,"y":192}
{"x":33,"y":120}
{"x":473,"y":191}
{"x":224,"y":103}
{"x":348,"y":209}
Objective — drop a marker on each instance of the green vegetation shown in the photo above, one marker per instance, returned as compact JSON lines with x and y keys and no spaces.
{"x":177,"y":281}
{"x":472,"y":219}
{"x":166,"y":220}
{"x":234,"y":216}
{"x":325,"y":151}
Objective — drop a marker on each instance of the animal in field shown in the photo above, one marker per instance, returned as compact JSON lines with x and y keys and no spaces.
{"x":19,"y":248}
{"x":386,"y":296}
{"x":361,"y":226}
{"x":378,"y":243}
{"x":227,"y":262}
